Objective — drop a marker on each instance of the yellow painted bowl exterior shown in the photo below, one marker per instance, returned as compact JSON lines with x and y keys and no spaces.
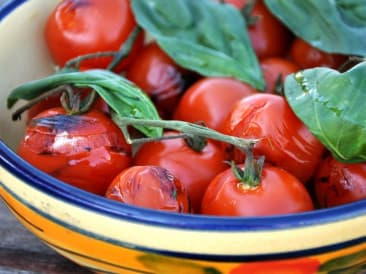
{"x":109,"y":237}
{"x":131,"y":241}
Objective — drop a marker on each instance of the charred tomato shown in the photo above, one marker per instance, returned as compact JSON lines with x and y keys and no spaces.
{"x":86,"y":151}
{"x":150,"y":187}
{"x":195,"y":169}
{"x":339,"y":183}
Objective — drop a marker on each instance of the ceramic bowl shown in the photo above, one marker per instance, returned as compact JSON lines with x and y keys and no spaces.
{"x":110,"y":237}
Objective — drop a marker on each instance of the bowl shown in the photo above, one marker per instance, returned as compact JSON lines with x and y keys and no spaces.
{"x":110,"y":237}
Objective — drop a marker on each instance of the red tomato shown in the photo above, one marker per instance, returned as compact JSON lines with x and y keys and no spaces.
{"x":194,"y":169}
{"x":268,"y":35}
{"x":275,"y":70}
{"x":210,"y":100}
{"x":294,"y":266}
{"x":77,"y":28}
{"x":284,"y":139}
{"x":159,"y":76}
{"x":151,"y":187}
{"x":339,"y":183}
{"x":278,"y":192}
{"x":86,"y":151}
{"x":239,"y":4}
{"x":307,"y":56}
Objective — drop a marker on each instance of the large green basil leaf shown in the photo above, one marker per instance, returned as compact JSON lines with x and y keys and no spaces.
{"x":122,"y":96}
{"x":202,"y":35}
{"x":332,"y":105}
{"x":336,"y":26}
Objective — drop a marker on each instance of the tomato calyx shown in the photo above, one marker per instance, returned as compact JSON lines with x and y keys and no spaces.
{"x":73,"y":104}
{"x":279,"y":88}
{"x":118,"y":56}
{"x":250,"y":176}
{"x":70,"y":100}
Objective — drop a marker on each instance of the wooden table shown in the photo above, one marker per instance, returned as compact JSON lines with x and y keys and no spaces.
{"x":22,"y":253}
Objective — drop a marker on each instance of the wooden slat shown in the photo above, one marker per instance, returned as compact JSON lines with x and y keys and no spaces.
{"x":23,"y":253}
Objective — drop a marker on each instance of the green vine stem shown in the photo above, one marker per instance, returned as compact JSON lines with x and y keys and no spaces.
{"x":17,"y":114}
{"x":181,"y":126}
{"x":122,"y":53}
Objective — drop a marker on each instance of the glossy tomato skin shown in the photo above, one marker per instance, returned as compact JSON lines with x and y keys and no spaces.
{"x":283,"y":139}
{"x":278,"y":192}
{"x":339,"y":183}
{"x":159,"y":77}
{"x":307,"y":56}
{"x":86,"y":151}
{"x":210,"y":100}
{"x":150,"y":187}
{"x":275,"y":70}
{"x":194,"y":169}
{"x":291,"y":266}
{"x":268,"y":35}
{"x":77,"y":28}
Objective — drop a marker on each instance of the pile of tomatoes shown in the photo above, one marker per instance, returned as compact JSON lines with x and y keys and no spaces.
{"x":286,"y":171}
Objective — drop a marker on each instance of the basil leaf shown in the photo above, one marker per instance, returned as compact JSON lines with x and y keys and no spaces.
{"x":332,"y":106}
{"x":122,"y":96}
{"x":335,"y":26}
{"x":204,"y":36}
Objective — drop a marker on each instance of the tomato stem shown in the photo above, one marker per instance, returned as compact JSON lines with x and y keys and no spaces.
{"x":119,"y":55}
{"x":252,"y":169}
{"x":17,"y":114}
{"x":125,"y":48}
{"x":184,"y":127}
{"x":250,"y":176}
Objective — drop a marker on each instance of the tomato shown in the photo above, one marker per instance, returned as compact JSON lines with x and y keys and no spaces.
{"x":293,"y":266}
{"x":86,"y":151}
{"x":159,"y":76}
{"x":275,"y":70}
{"x":78,"y":27}
{"x":278,"y":192}
{"x":307,"y":56}
{"x":151,"y":187}
{"x":210,"y":100}
{"x":339,"y":183}
{"x":268,"y":35}
{"x":283,"y":139}
{"x":194,"y":169}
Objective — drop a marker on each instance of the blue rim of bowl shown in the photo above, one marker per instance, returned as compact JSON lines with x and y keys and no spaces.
{"x":59,"y":190}
{"x":8,"y":6}
{"x":45,"y":183}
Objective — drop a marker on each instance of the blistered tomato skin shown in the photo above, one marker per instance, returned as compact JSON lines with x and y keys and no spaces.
{"x":210,"y":100}
{"x":159,"y":77}
{"x":86,"y":151}
{"x":88,"y":26}
{"x":194,"y":169}
{"x":283,"y":139}
{"x":150,"y":187}
{"x":339,"y":183}
{"x":278,"y":192}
